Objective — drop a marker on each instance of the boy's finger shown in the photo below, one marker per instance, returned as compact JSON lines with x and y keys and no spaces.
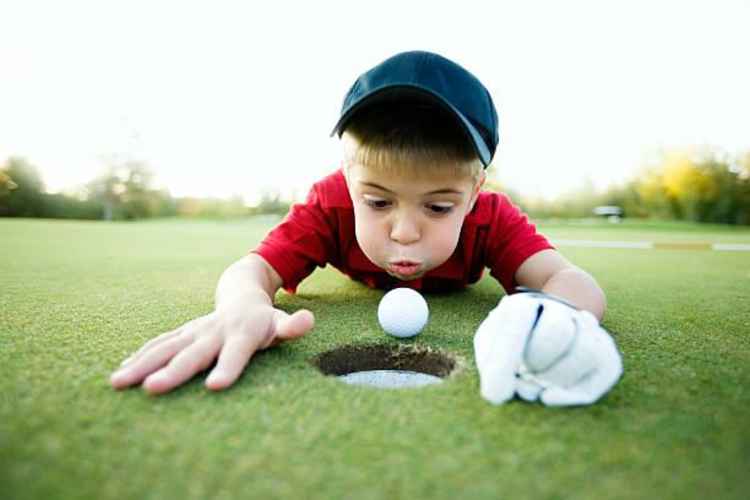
{"x":151,"y":343}
{"x":552,"y":337}
{"x":149,"y":362}
{"x":609,"y":369}
{"x":560,"y":396}
{"x":237,"y":351}
{"x":291,"y":326}
{"x":499,"y":344}
{"x":196,"y":357}
{"x":594,"y":384}
{"x":528,"y":390}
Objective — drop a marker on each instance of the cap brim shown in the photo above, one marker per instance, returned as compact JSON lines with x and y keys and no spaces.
{"x":476,"y":138}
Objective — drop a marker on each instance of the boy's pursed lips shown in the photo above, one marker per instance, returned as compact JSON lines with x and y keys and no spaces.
{"x":404,"y":267}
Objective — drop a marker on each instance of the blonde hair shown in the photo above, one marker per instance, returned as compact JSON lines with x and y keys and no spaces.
{"x":403,"y":132}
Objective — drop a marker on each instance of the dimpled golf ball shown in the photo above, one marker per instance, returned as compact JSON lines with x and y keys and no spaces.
{"x":403,"y":312}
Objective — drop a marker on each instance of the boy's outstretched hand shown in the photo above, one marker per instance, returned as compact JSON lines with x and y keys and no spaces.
{"x":541,"y":348}
{"x":232,"y":335}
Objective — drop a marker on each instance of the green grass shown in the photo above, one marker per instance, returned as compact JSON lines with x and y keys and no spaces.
{"x":76,"y":297}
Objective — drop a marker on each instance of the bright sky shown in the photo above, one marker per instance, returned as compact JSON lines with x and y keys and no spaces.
{"x":225,"y":98}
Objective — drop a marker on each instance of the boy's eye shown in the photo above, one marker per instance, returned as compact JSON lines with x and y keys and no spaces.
{"x":376,"y":203}
{"x":440,"y":209}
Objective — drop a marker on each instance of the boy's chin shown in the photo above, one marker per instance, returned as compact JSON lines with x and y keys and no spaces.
{"x":410,"y":277}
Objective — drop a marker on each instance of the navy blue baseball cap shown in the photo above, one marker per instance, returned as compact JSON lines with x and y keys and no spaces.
{"x":451,"y":86}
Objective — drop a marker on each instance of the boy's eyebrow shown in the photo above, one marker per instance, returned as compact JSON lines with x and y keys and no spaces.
{"x":437,"y":191}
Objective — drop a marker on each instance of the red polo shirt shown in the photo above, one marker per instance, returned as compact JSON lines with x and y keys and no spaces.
{"x":495,"y":234}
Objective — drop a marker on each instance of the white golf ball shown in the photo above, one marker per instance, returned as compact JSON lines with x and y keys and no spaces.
{"x":403,"y":312}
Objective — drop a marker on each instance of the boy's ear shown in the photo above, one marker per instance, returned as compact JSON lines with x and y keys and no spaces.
{"x":482,"y":178}
{"x":477,"y":189}
{"x":345,"y":170}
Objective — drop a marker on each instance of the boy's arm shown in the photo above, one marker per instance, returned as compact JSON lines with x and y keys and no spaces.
{"x":552,"y":273}
{"x":250,"y":279}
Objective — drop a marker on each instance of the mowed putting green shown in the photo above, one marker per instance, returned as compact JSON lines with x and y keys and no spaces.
{"x":77,"y":297}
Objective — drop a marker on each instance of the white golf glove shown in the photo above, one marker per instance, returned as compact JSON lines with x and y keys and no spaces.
{"x":542,"y":348}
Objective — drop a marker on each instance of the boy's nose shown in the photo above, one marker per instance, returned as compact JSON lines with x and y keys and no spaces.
{"x":405,"y":230}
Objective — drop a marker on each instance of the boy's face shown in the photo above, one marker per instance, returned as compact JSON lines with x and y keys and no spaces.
{"x":406,"y":225}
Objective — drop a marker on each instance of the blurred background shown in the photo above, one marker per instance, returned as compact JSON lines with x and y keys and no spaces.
{"x":129,"y":110}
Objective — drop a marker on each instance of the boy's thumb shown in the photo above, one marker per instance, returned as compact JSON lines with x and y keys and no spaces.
{"x":291,"y":326}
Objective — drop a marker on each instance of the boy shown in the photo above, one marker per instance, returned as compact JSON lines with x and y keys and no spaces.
{"x":406,"y":209}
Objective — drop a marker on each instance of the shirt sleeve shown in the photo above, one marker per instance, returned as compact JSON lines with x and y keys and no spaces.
{"x":512,"y":239}
{"x":303,"y":240}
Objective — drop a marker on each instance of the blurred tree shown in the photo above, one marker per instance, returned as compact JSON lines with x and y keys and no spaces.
{"x":649,"y":186}
{"x":125,"y":191}
{"x":212,"y":208}
{"x":271,"y":203}
{"x":742,"y":168}
{"x":699,"y":185}
{"x":691,"y":184}
{"x":725,"y":206}
{"x":6,"y":184}
{"x":61,"y":206}
{"x":139,"y":199}
{"x":626,"y":197}
{"x":22,"y":194}
{"x":107,"y":188}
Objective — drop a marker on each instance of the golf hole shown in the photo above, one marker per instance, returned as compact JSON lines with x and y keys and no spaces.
{"x":386,"y":366}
